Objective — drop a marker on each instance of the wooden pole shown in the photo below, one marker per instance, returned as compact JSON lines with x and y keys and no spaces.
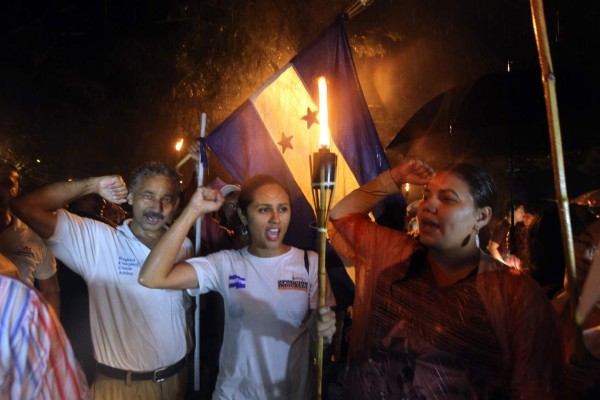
{"x":560,"y":182}
{"x":356,"y":7}
{"x":322,"y":226}
{"x":323,"y":171}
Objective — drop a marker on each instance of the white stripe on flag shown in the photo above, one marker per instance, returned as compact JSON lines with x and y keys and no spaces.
{"x":281,"y":104}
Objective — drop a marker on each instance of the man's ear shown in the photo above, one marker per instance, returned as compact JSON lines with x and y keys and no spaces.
{"x":130,"y":197}
{"x":243,"y":218}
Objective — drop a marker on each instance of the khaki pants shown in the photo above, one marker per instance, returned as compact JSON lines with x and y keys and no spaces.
{"x":172,"y":388}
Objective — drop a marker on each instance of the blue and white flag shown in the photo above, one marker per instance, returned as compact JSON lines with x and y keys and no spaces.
{"x":276,"y":130}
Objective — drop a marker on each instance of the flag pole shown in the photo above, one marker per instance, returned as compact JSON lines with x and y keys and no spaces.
{"x":183,"y":161}
{"x":560,"y":183}
{"x":197,"y":253}
{"x":356,"y":7}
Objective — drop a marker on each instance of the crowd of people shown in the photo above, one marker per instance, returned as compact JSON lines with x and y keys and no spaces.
{"x":438,"y":312}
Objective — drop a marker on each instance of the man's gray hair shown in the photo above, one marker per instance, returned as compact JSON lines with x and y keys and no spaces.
{"x":153,"y":169}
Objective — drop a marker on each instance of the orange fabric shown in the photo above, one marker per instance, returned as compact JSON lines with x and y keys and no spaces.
{"x":360,"y":231}
{"x":496,"y":324}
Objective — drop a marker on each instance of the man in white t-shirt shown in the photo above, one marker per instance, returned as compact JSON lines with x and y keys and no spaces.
{"x":140,"y":336}
{"x":23,"y":246}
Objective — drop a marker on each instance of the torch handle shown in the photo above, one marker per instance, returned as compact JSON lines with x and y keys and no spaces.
{"x":323,"y":184}
{"x":322,"y":213}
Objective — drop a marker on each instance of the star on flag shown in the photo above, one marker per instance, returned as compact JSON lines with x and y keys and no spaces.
{"x":285,"y":142}
{"x":310,"y":117}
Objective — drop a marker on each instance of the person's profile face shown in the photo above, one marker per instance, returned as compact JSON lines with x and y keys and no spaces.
{"x":528,"y":218}
{"x":228,"y":213}
{"x":9,"y":185}
{"x":519,"y":214}
{"x":586,"y":246}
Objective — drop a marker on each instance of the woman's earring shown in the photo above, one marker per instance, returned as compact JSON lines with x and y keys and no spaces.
{"x":476,"y":229}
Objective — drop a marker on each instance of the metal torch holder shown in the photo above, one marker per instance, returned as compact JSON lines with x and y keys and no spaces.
{"x":323,"y":171}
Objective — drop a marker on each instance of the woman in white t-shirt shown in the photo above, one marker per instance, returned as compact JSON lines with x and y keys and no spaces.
{"x":268,"y":287}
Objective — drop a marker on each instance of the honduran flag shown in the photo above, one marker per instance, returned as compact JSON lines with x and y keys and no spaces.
{"x":276,"y":130}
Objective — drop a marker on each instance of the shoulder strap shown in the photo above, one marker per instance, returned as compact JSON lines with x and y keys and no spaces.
{"x":308,"y":274}
{"x":306,"y":260}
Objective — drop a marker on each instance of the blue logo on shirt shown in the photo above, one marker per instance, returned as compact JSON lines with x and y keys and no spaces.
{"x":237,"y":282}
{"x":126,"y":265}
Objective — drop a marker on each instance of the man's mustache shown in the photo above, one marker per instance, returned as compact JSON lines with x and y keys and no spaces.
{"x":154,"y":214}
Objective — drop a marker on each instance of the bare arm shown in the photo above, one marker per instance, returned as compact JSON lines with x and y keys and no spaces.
{"x":38,"y":208}
{"x":493,"y":247}
{"x":363,"y":199}
{"x":51,"y":292}
{"x":346,"y":235}
{"x":159,"y":269}
{"x":511,"y":260}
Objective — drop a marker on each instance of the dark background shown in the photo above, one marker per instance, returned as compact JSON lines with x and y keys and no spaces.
{"x":97,"y":87}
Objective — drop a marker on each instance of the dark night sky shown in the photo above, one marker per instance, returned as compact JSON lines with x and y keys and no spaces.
{"x":95,"y":87}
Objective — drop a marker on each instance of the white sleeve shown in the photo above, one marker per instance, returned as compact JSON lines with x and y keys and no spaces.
{"x":47,"y":266}
{"x":73,"y":241}
{"x":209,"y":271}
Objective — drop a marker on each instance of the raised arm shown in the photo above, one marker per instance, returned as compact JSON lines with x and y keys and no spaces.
{"x":356,"y":236}
{"x":158,"y":270}
{"x":363,"y":199}
{"x":38,"y":208}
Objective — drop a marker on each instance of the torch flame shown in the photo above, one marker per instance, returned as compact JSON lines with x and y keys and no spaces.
{"x":323,"y":115}
{"x":406,"y":187}
{"x":179,"y":144}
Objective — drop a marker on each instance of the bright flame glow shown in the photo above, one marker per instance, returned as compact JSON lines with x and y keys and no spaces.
{"x":323,"y":115}
{"x":179,"y":144}
{"x":406,"y":187}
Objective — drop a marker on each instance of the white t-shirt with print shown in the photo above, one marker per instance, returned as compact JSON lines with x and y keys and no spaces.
{"x":266,"y":344}
{"x":133,"y":328}
{"x":27,"y":251}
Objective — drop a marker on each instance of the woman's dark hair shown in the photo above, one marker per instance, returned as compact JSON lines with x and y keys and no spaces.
{"x":481,"y":185}
{"x":545,"y":256}
{"x":154,"y":169}
{"x":251,"y":185}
